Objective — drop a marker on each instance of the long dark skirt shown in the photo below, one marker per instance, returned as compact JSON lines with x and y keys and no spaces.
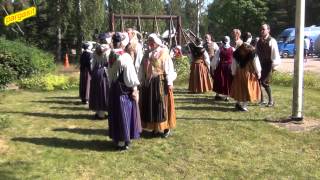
{"x":99,"y":90}
{"x":152,"y":105}
{"x":124,"y":116}
{"x":222,"y":79}
{"x":84,"y":86}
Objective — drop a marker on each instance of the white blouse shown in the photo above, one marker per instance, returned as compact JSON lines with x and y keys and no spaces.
{"x":125,"y":65}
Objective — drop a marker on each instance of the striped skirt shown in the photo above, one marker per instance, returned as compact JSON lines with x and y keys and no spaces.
{"x":124,"y":115}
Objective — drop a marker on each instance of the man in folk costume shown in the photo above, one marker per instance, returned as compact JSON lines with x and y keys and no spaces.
{"x":221,"y":66}
{"x":268,"y":52}
{"x":199,"y":80}
{"x":85,"y":77}
{"x":124,"y":116}
{"x":237,"y":42}
{"x":246,"y":71}
{"x":210,"y":46}
{"x":156,"y":75}
{"x":99,"y":88}
{"x":134,"y":48}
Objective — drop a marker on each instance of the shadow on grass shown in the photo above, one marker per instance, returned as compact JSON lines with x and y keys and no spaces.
{"x":94,"y":145}
{"x":61,"y":116}
{"x":58,"y":102}
{"x":72,"y":108}
{"x":64,"y":97}
{"x":222,"y":119}
{"x":103,"y":132}
{"x":149,"y":135}
{"x":181,"y":91}
{"x":194,"y":100}
{"x":206,"y":108}
{"x":55,"y":116}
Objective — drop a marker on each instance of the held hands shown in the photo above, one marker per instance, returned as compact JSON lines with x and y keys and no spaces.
{"x":170,"y":87}
{"x":135,"y":95}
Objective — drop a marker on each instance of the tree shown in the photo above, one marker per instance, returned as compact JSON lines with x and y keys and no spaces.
{"x":225,"y":15}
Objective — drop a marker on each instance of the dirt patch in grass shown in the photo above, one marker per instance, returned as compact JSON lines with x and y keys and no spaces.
{"x":307,"y":124}
{"x":3,"y":146}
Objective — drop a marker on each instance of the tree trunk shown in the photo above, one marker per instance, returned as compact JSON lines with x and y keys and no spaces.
{"x":59,"y":36}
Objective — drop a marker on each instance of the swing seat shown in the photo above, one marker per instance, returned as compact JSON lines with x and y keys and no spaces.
{"x":166,"y":33}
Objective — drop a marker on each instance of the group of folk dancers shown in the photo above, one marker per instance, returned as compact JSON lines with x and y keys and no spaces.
{"x":135,"y":87}
{"x":239,"y":70}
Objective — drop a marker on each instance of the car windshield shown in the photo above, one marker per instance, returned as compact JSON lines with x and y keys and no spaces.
{"x":282,"y":38}
{"x":285,"y":39}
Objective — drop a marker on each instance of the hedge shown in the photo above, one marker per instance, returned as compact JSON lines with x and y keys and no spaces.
{"x":19,"y":60}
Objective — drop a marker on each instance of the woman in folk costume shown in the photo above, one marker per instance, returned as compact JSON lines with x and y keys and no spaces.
{"x":221,"y":66}
{"x":99,"y":87}
{"x":246,"y":71}
{"x":85,"y":77}
{"x":156,"y":76}
{"x":199,"y":80}
{"x":134,"y":48}
{"x":124,"y":116}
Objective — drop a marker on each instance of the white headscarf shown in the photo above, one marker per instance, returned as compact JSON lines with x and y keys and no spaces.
{"x":125,"y":41}
{"x":156,"y":39}
{"x":89,"y":44}
{"x":226,"y":42}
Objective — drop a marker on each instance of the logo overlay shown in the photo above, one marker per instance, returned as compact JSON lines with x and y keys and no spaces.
{"x":20,"y":16}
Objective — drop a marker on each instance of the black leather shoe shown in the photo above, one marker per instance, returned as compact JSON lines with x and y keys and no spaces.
{"x":244,"y":109}
{"x":262,"y":103}
{"x":270,"y":104}
{"x":166,"y":133}
{"x":156,"y":134}
{"x":237,"y":106}
{"x":123,"y":148}
{"x":96,"y":117}
{"x":218,"y":98}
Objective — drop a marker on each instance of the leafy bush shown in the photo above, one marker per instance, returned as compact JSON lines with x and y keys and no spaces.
{"x":311,"y":80}
{"x":4,"y":121}
{"x":7,"y":75}
{"x":49,"y":82}
{"x":182,"y":67}
{"x":18,"y":60}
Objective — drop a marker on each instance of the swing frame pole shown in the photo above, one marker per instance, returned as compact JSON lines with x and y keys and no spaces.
{"x":114,"y":17}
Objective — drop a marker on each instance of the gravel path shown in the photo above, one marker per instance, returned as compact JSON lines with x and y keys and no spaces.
{"x":313,"y":65}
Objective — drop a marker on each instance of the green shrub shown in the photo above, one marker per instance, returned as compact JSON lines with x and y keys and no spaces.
{"x":49,"y":82}
{"x":20,"y":61}
{"x":7,"y":75}
{"x":182,"y":67}
{"x":311,"y":80}
{"x":4,"y":122}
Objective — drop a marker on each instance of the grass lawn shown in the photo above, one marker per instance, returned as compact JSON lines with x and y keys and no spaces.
{"x":50,"y":135}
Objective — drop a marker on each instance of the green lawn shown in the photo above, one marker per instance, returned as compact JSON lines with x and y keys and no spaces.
{"x":50,"y":135}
